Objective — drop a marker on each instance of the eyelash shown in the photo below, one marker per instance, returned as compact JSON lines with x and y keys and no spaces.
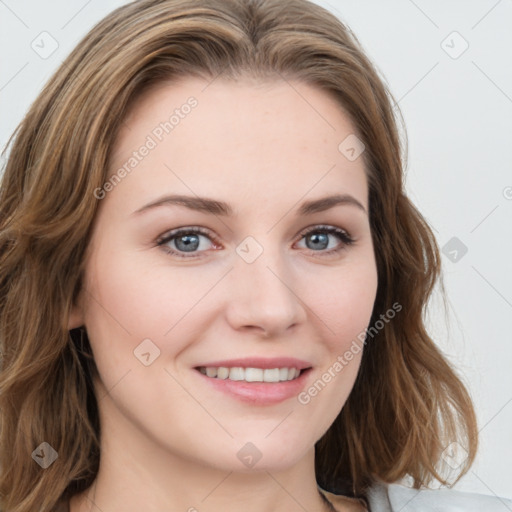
{"x":343,"y":236}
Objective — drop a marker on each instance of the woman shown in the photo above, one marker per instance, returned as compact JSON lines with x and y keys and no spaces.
{"x":212,"y":282}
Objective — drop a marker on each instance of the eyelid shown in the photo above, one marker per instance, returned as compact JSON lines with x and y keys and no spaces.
{"x":185,"y":229}
{"x":325,"y":227}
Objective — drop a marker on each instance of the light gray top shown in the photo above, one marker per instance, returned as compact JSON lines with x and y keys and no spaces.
{"x":398,"y":498}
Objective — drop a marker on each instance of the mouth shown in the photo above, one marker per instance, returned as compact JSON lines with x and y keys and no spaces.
{"x":257,"y":380}
{"x":252,"y":374}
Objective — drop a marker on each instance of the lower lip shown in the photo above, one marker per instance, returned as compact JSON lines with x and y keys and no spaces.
{"x":259,"y":393}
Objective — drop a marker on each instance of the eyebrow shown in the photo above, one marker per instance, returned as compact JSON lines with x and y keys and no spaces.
{"x":207,"y":205}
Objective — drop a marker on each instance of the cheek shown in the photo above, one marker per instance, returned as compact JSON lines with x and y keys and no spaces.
{"x":141,"y":295}
{"x":125,"y":306}
{"x":344,"y":304}
{"x":138,"y":297}
{"x":342,"y":310}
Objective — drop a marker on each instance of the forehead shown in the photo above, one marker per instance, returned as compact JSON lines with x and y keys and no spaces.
{"x":210,"y":136}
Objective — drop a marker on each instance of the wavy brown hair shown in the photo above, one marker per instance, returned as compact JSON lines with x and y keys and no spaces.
{"x":407,"y":403}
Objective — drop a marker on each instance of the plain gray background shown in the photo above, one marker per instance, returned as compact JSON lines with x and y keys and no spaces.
{"x":448,"y":65}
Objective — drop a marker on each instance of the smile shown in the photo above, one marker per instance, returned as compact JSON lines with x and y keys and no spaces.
{"x":238,"y":373}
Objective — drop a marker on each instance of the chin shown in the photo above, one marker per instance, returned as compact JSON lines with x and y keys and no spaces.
{"x":272,"y":455}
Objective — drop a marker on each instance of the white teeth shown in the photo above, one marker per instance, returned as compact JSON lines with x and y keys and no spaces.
{"x":254,"y":375}
{"x":251,"y":374}
{"x":271,"y":375}
{"x":223,"y":373}
{"x":211,"y":372}
{"x":236,"y":373}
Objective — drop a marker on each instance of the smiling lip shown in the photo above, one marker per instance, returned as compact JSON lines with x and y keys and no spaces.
{"x":259,"y":393}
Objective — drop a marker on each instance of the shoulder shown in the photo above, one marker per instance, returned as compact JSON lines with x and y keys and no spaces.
{"x":395,"y":497}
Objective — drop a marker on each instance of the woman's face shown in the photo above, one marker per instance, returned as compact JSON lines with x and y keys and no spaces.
{"x":263,"y":285}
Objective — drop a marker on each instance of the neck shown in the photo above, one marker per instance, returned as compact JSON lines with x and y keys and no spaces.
{"x":233,"y":497}
{"x":138,"y":474}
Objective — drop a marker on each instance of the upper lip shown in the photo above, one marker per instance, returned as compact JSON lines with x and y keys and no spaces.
{"x":259,"y":362}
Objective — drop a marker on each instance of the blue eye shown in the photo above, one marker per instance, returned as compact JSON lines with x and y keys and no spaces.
{"x":185,"y":242}
{"x":319,"y":237}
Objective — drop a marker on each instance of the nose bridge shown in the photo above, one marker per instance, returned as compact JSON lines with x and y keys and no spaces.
{"x":263,"y":294}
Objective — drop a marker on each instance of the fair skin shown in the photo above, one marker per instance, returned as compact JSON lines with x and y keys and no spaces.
{"x":170,"y":438}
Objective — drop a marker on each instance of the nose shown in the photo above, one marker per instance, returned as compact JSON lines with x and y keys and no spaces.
{"x":262,"y":296}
